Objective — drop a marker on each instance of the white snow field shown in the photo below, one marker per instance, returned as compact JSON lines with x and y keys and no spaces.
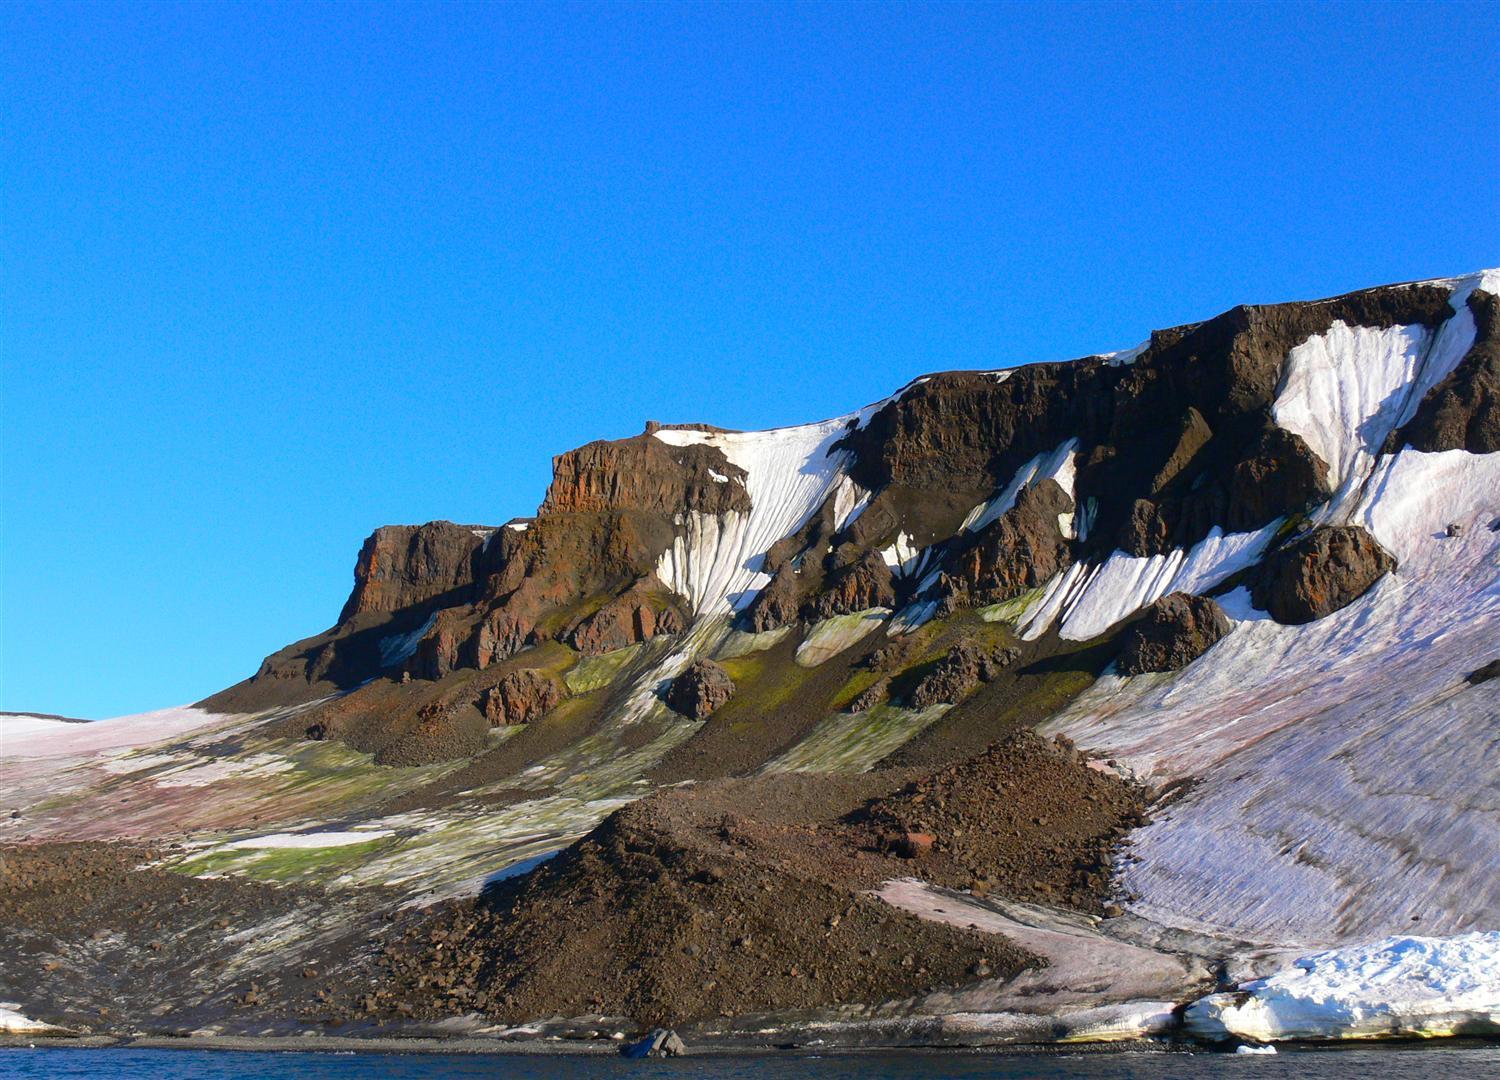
{"x":37,"y":737}
{"x":1413,"y":987}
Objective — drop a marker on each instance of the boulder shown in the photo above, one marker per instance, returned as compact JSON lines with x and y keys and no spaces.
{"x":958,"y":673}
{"x":700,"y":690}
{"x":521,"y":697}
{"x":661,"y":1043}
{"x":1319,"y":572}
{"x":1172,"y":633}
{"x":873,"y":695}
{"x":1484,"y":674}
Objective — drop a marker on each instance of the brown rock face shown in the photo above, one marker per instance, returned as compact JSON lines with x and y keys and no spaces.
{"x":700,"y":690}
{"x":1172,"y":633}
{"x":438,"y":652}
{"x":638,"y":614}
{"x":958,"y":673}
{"x":521,"y":697}
{"x":645,"y":473}
{"x":857,"y":587}
{"x":1463,"y":411}
{"x":403,"y":565}
{"x":1169,"y":429}
{"x":502,"y":633}
{"x":1280,"y":475}
{"x":1019,"y":550}
{"x":778,"y":604}
{"x":1319,"y":573}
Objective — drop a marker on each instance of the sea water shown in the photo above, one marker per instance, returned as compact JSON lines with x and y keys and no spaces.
{"x":1404,"y":1062}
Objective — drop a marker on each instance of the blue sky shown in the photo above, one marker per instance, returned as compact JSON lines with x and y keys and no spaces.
{"x":276,"y":274}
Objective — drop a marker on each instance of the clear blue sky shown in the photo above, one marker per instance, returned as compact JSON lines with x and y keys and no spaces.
{"x":275,"y":275}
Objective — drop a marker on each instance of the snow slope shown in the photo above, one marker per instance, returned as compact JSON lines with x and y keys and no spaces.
{"x":34,"y":737}
{"x":716,"y":565}
{"x":1346,"y":769}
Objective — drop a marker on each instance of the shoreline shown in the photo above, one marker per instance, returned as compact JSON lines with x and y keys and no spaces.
{"x":475,"y":1046}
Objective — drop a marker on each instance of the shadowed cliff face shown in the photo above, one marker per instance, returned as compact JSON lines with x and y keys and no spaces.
{"x":1462,"y":412}
{"x":401,"y":566}
{"x":1163,"y":447}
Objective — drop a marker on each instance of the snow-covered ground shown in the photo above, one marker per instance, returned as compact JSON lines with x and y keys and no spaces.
{"x":1415,"y":987}
{"x":35,"y":737}
{"x":1345,"y":781}
{"x":14,"y":1022}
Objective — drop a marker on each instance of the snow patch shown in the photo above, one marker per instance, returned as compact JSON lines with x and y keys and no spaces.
{"x":1338,"y":796}
{"x":14,"y":1022}
{"x":1091,"y":599}
{"x":398,"y":647}
{"x":716,"y":563}
{"x":1399,"y":986}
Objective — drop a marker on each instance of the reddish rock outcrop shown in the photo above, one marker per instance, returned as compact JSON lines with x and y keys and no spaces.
{"x":1462,"y":412}
{"x":1319,"y":573}
{"x":1172,"y":633}
{"x":400,"y":566}
{"x":639,"y":614}
{"x":644,"y":473}
{"x":521,"y":697}
{"x":700,"y":690}
{"x":438,"y":652}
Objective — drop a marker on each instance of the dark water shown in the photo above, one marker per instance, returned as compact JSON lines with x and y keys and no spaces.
{"x":1424,"y":1063}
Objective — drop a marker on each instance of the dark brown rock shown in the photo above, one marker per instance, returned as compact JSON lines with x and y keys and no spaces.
{"x":521,"y":697}
{"x":1280,"y":475}
{"x":1019,"y":550}
{"x":1319,"y":573}
{"x":1178,"y":419}
{"x":1172,"y":633}
{"x":1462,"y":412}
{"x":958,"y":673}
{"x":857,"y":587}
{"x":1484,"y":674}
{"x":699,"y":690}
{"x":778,"y":604}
